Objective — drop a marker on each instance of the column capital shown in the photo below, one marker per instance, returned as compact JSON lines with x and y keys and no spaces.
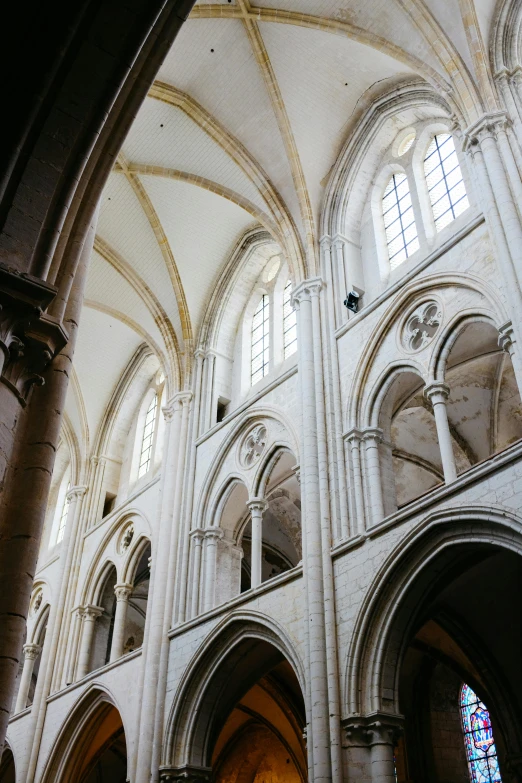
{"x":29,"y":337}
{"x":185,"y":774}
{"x":436,"y":392}
{"x":32,"y":651}
{"x":485,"y":127}
{"x":123,"y":591}
{"x":354,"y":436}
{"x":91,"y":612}
{"x":372,"y":435}
{"x":297,"y":472}
{"x":305,"y":290}
{"x":213,"y":533}
{"x":198,"y":534}
{"x":375,"y":729}
{"x":75,"y":493}
{"x":257,"y":504}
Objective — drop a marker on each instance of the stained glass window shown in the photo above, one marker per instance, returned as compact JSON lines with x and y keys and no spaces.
{"x":148,"y":437}
{"x":399,"y":221}
{"x":260,"y":356}
{"x":289,"y":322}
{"x":444,"y":178}
{"x":478,"y":738}
{"x":63,"y":516}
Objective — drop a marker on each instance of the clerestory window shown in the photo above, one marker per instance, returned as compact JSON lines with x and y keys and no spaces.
{"x":260,"y":341}
{"x":148,"y":436}
{"x":444,"y":179}
{"x":399,"y":221}
{"x":289,"y":322}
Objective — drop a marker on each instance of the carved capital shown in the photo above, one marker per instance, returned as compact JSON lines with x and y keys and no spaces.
{"x":257,"y":505}
{"x":354,"y":436}
{"x":213,"y":534}
{"x":89,"y":613}
{"x":372,"y":436}
{"x":185,"y":774}
{"x":75,"y":493}
{"x":122,"y":592}
{"x":29,"y":338}
{"x":305,"y":290}
{"x":297,"y":472}
{"x":487,"y":127}
{"x":32,"y":651}
{"x":506,"y":337}
{"x":437,"y":392}
{"x":376,"y":729}
{"x":197,"y":535}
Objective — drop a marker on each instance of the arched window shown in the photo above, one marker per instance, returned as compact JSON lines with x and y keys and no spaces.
{"x":63,"y":516}
{"x":260,"y":356}
{"x":399,"y":220}
{"x":444,"y":179}
{"x":478,"y":738}
{"x":148,"y":436}
{"x":289,"y":322}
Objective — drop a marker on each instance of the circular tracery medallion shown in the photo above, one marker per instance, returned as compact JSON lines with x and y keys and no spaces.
{"x":421,"y":326}
{"x":253,"y":445}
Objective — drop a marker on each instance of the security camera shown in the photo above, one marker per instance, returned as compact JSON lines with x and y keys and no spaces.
{"x":352,"y":301}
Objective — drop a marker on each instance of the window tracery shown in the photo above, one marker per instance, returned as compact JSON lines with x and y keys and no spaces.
{"x":446,"y":187}
{"x":148,"y":436}
{"x":399,"y":220}
{"x":260,"y":340}
{"x":480,"y":745}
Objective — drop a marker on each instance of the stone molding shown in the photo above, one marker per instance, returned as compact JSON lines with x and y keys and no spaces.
{"x":29,"y":338}
{"x":506,"y":337}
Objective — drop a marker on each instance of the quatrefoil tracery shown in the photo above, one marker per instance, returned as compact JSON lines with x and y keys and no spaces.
{"x":422,"y":326}
{"x":253,"y":445}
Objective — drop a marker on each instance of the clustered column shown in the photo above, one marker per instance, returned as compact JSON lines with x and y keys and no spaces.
{"x":212,"y":536}
{"x":31,"y":653}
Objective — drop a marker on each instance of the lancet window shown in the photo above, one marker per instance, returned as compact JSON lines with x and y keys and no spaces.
{"x":444,"y":179}
{"x":289,"y":322}
{"x":480,"y":745}
{"x":148,"y":436}
{"x":399,"y":220}
{"x":260,"y":341}
{"x":63,"y":515}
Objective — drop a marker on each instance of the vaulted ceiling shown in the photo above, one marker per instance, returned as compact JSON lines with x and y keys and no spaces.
{"x":241,"y":128}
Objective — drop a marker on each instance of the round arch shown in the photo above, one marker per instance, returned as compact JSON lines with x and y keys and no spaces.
{"x":232,"y":658}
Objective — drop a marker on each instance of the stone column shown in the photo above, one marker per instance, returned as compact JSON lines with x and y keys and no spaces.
{"x":437,"y":393}
{"x":315,"y":628}
{"x":354,"y":438}
{"x":372,"y":437}
{"x":197,"y":535}
{"x":383,"y":737}
{"x":123,"y":593}
{"x":31,"y":653}
{"x":212,"y":536}
{"x":257,"y":508}
{"x":89,"y":615}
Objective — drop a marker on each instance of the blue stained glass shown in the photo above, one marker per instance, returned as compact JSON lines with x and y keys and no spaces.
{"x":478,"y":738}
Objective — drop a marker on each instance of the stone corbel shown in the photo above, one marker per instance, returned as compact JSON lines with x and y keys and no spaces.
{"x":29,"y":337}
{"x":185,"y":774}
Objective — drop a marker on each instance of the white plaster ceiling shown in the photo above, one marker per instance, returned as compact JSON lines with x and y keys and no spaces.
{"x":105,"y":347}
{"x":260,"y":111}
{"x":202,"y":228}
